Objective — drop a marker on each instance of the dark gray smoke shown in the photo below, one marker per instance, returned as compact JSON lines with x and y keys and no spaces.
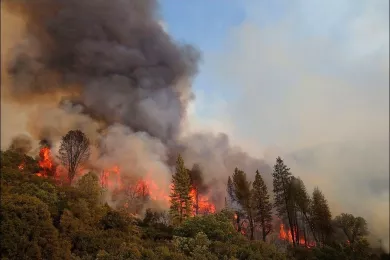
{"x":114,"y":54}
{"x":112,"y":61}
{"x":197,"y":178}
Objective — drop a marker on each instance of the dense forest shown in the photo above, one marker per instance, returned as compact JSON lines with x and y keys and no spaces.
{"x":42,"y":218}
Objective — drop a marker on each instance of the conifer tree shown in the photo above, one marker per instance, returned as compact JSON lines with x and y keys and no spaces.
{"x":282,"y":192}
{"x":241,"y":192}
{"x":230,"y":190}
{"x":303,"y":200}
{"x":262,"y":205}
{"x":180,"y":198}
{"x":321,"y":216}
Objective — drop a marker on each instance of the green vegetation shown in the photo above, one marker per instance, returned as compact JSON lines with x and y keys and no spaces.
{"x":43,"y":220}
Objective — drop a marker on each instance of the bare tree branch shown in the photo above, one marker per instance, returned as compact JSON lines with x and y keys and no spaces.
{"x":74,"y":151}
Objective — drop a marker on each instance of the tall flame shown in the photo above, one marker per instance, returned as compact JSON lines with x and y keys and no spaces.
{"x":287,"y":236}
{"x":201,"y":203}
{"x":46,"y":163}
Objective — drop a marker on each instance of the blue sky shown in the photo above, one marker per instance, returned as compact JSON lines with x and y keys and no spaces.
{"x":300,"y":78}
{"x":204,"y":24}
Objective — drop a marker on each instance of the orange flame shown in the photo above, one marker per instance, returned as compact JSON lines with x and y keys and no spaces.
{"x":201,"y":203}
{"x":111,"y":178}
{"x":45,"y":162}
{"x":287,"y":236}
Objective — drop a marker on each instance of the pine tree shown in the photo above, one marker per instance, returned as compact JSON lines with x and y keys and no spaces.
{"x":282,"y":192}
{"x":303,"y":201}
{"x":321,"y":216}
{"x":181,"y":207}
{"x":241,"y":192}
{"x":262,"y":205}
{"x":230,"y":190}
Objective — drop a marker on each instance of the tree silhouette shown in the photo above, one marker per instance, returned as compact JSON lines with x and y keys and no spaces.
{"x":181,"y":206}
{"x":74,"y":150}
{"x":321,"y":216}
{"x":353,"y":227}
{"x":283,"y":194}
{"x":262,"y":205}
{"x":241,"y":192}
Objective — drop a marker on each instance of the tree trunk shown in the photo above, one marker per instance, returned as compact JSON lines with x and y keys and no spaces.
{"x":291,"y":227}
{"x":311,"y":227}
{"x":238,"y":222}
{"x":297,"y":237}
{"x":264,"y":232}
{"x":289,"y":213}
{"x":252,"y":229}
{"x":196,"y":201}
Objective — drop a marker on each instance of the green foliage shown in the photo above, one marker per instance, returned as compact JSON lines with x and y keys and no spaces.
{"x":42,"y":220}
{"x":90,"y":189}
{"x":115,"y":220}
{"x":217,"y":227}
{"x":242,"y":194}
{"x":321,"y":216}
{"x":281,"y":182}
{"x":27,"y":229}
{"x":262,"y":205}
{"x":283,"y":194}
{"x":180,"y":198}
{"x":353,"y":227}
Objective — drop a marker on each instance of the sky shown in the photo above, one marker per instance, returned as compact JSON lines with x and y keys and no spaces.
{"x":307,"y":80}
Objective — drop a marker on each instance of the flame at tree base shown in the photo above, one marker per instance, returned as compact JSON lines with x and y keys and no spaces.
{"x":287,"y":236}
{"x":111,"y":179}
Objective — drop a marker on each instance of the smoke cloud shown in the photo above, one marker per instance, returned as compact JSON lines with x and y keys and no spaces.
{"x":316,"y":80}
{"x":111,"y":70}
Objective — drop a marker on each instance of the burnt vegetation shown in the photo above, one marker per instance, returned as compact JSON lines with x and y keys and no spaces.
{"x":42,"y":219}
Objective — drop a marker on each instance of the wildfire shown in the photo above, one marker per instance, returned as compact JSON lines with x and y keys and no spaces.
{"x":201,"y":203}
{"x":110,"y":178}
{"x":155,"y":192}
{"x":287,"y":236}
{"x":283,"y":235}
{"x":45,"y":163}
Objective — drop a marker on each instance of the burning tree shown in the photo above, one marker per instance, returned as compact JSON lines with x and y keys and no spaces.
{"x":74,"y":150}
{"x":240,"y":192}
{"x":181,"y":204}
{"x":284,"y":203}
{"x":200,"y":200}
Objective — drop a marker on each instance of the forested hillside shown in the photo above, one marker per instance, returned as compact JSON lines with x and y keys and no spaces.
{"x":44,"y":219}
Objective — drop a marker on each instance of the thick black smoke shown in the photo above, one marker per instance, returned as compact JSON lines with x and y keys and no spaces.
{"x":112,"y":62}
{"x":114,"y":54}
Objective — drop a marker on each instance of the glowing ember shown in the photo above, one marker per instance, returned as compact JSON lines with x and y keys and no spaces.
{"x":21,"y":166}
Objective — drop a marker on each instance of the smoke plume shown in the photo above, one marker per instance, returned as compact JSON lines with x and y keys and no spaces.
{"x":109,"y":69}
{"x":21,"y":144}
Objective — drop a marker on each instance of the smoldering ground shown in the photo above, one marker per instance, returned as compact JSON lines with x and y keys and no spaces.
{"x":113,"y":72}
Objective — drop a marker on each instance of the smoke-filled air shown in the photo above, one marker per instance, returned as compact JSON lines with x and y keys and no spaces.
{"x":109,"y":69}
{"x":102,"y":88}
